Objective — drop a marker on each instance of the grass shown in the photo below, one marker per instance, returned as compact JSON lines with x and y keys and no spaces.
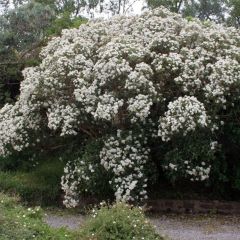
{"x":40,"y":186}
{"x":18,"y":223}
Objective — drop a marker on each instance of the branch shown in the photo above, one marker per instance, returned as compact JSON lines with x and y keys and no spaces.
{"x":125,"y":11}
{"x":22,"y":55}
{"x":179,"y":5}
{"x":119,"y":6}
{"x":88,"y":132}
{"x":33,"y":47}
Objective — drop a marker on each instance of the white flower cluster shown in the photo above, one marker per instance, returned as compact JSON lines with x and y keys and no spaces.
{"x":12,"y":130}
{"x":125,"y":156}
{"x":69,"y":182}
{"x":224,"y":78}
{"x":213,"y":145}
{"x":199,"y":173}
{"x":194,"y":173}
{"x":183,"y":115}
{"x":107,"y":107}
{"x":192,"y":72}
{"x":168,"y":63}
{"x":75,"y":180}
{"x":63,"y":117}
{"x":15,"y":125}
{"x":140,"y":107}
{"x":140,"y":80}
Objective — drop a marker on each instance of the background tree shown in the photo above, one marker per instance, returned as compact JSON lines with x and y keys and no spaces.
{"x":172,"y":5}
{"x":214,"y":10}
{"x":234,"y":18}
{"x":23,"y":31}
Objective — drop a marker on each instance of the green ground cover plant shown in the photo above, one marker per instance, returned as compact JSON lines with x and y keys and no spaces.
{"x":18,"y":223}
{"x":117,"y":222}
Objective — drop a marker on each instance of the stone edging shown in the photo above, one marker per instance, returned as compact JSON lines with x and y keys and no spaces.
{"x":193,"y":206}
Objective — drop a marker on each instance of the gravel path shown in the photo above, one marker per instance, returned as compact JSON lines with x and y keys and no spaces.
{"x":183,"y":227}
{"x":198,"y":227}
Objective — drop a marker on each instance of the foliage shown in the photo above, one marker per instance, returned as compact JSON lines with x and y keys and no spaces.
{"x":213,"y":10}
{"x":20,"y":223}
{"x":23,"y":31}
{"x":84,"y":175}
{"x":234,"y":13}
{"x":196,"y":147}
{"x":207,"y":10}
{"x":172,"y":5}
{"x":108,"y":81}
{"x":21,"y":34}
{"x":230,"y":142}
{"x":64,"y":21}
{"x":120,"y":222}
{"x":28,"y":24}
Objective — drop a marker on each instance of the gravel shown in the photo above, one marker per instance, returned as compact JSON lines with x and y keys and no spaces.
{"x":201,"y":227}
{"x":176,"y":227}
{"x":69,"y":221}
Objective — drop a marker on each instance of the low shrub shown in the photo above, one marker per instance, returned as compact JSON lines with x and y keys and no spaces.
{"x":118,"y":222}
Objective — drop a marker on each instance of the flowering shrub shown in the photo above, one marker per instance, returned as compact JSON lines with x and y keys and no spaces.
{"x":169,"y":77}
{"x":119,"y":221}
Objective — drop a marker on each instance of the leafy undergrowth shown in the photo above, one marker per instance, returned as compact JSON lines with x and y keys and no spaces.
{"x":117,"y":222}
{"x":18,"y":223}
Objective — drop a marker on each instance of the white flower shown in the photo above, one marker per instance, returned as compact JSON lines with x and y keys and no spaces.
{"x":184,"y":115}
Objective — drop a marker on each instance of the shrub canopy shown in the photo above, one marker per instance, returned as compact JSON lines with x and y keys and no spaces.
{"x":139,"y":83}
